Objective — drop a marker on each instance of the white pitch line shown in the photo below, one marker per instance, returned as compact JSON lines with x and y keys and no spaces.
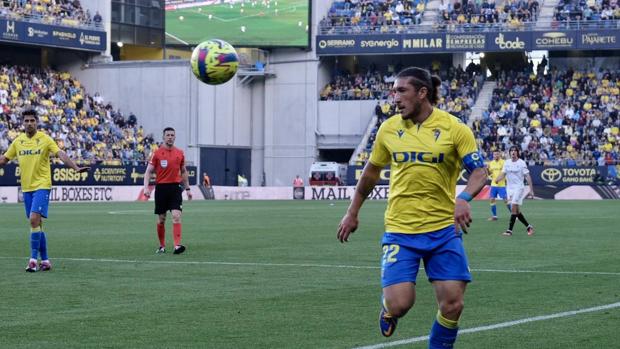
{"x":310,"y":265}
{"x":177,"y":39}
{"x":105,"y":260}
{"x":546,"y":272}
{"x":124,"y":212}
{"x":496,"y":326}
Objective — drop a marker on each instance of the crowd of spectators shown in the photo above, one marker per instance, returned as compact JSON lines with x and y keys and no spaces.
{"x":61,"y":12}
{"x":562,"y":117}
{"x":85,"y":126}
{"x":458,"y":86}
{"x":373,"y":16}
{"x":557,"y":117}
{"x":464,"y":14}
{"x":588,"y":10}
{"x":371,"y":84}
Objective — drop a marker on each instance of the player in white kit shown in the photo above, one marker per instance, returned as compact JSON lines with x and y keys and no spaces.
{"x":515,"y":171}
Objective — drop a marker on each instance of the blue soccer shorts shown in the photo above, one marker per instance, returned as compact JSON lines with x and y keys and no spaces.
{"x":442,"y":251}
{"x":37,"y":201}
{"x":498,"y":192}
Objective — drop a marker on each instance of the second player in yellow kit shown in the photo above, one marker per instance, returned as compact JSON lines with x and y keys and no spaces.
{"x":32,"y":149}
{"x":498,"y":189}
{"x":33,"y":156}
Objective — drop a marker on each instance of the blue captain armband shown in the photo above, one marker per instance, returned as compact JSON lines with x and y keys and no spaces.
{"x":473,"y":161}
{"x":465,"y":196}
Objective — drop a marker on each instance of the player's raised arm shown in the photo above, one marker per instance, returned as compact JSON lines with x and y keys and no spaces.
{"x":70,"y":163}
{"x":349,"y":223}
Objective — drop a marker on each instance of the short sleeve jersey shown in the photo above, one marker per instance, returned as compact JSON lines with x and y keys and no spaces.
{"x":425,"y":164}
{"x":515,"y":172}
{"x":168,"y":163}
{"x":33,"y":155}
{"x":495,"y":168}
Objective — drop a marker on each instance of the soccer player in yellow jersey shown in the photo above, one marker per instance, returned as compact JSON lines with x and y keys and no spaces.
{"x":32,"y":150}
{"x":425,"y":148}
{"x":498,"y":188}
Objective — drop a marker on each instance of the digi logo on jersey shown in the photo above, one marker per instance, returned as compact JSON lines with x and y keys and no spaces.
{"x":29,"y":152}
{"x":422,"y":156}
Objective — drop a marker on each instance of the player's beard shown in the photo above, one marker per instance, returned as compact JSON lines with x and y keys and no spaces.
{"x":31,"y":130}
{"x":416,"y":109}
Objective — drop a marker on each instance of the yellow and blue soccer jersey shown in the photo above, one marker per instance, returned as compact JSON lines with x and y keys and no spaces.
{"x":425,"y":164}
{"x":33,"y":155}
{"x":495,"y":168}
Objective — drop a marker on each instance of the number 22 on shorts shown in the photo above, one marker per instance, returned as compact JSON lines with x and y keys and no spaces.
{"x":390,"y":252}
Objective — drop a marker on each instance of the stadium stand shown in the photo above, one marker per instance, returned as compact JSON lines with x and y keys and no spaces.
{"x":368,"y":85}
{"x":467,"y":15}
{"x":84,"y":125}
{"x":373,"y":16}
{"x":59,"y":12}
{"x":572,"y":10}
{"x":372,"y":84}
{"x":563,"y":117}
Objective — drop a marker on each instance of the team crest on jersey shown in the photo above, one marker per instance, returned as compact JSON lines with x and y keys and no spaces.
{"x":437,"y":134}
{"x":164,"y":163}
{"x":400,"y":133}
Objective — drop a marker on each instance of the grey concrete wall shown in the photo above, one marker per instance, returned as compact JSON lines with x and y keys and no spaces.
{"x":290,"y":115}
{"x":348,"y":118}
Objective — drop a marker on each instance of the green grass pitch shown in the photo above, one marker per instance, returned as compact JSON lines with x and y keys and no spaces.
{"x":278,"y":25}
{"x":272,"y":275}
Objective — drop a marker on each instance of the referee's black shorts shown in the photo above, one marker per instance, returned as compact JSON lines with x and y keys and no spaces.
{"x":168,"y":197}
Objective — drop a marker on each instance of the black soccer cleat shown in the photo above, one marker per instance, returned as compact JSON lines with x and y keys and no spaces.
{"x":32,"y":266}
{"x":179,"y":249}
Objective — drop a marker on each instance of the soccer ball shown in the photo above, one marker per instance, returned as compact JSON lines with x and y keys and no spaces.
{"x":214,"y":62}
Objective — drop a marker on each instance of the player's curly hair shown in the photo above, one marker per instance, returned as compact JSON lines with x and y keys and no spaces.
{"x":419,"y":78}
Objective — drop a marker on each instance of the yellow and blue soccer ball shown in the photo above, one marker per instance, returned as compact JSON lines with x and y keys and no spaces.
{"x":214,"y":62}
